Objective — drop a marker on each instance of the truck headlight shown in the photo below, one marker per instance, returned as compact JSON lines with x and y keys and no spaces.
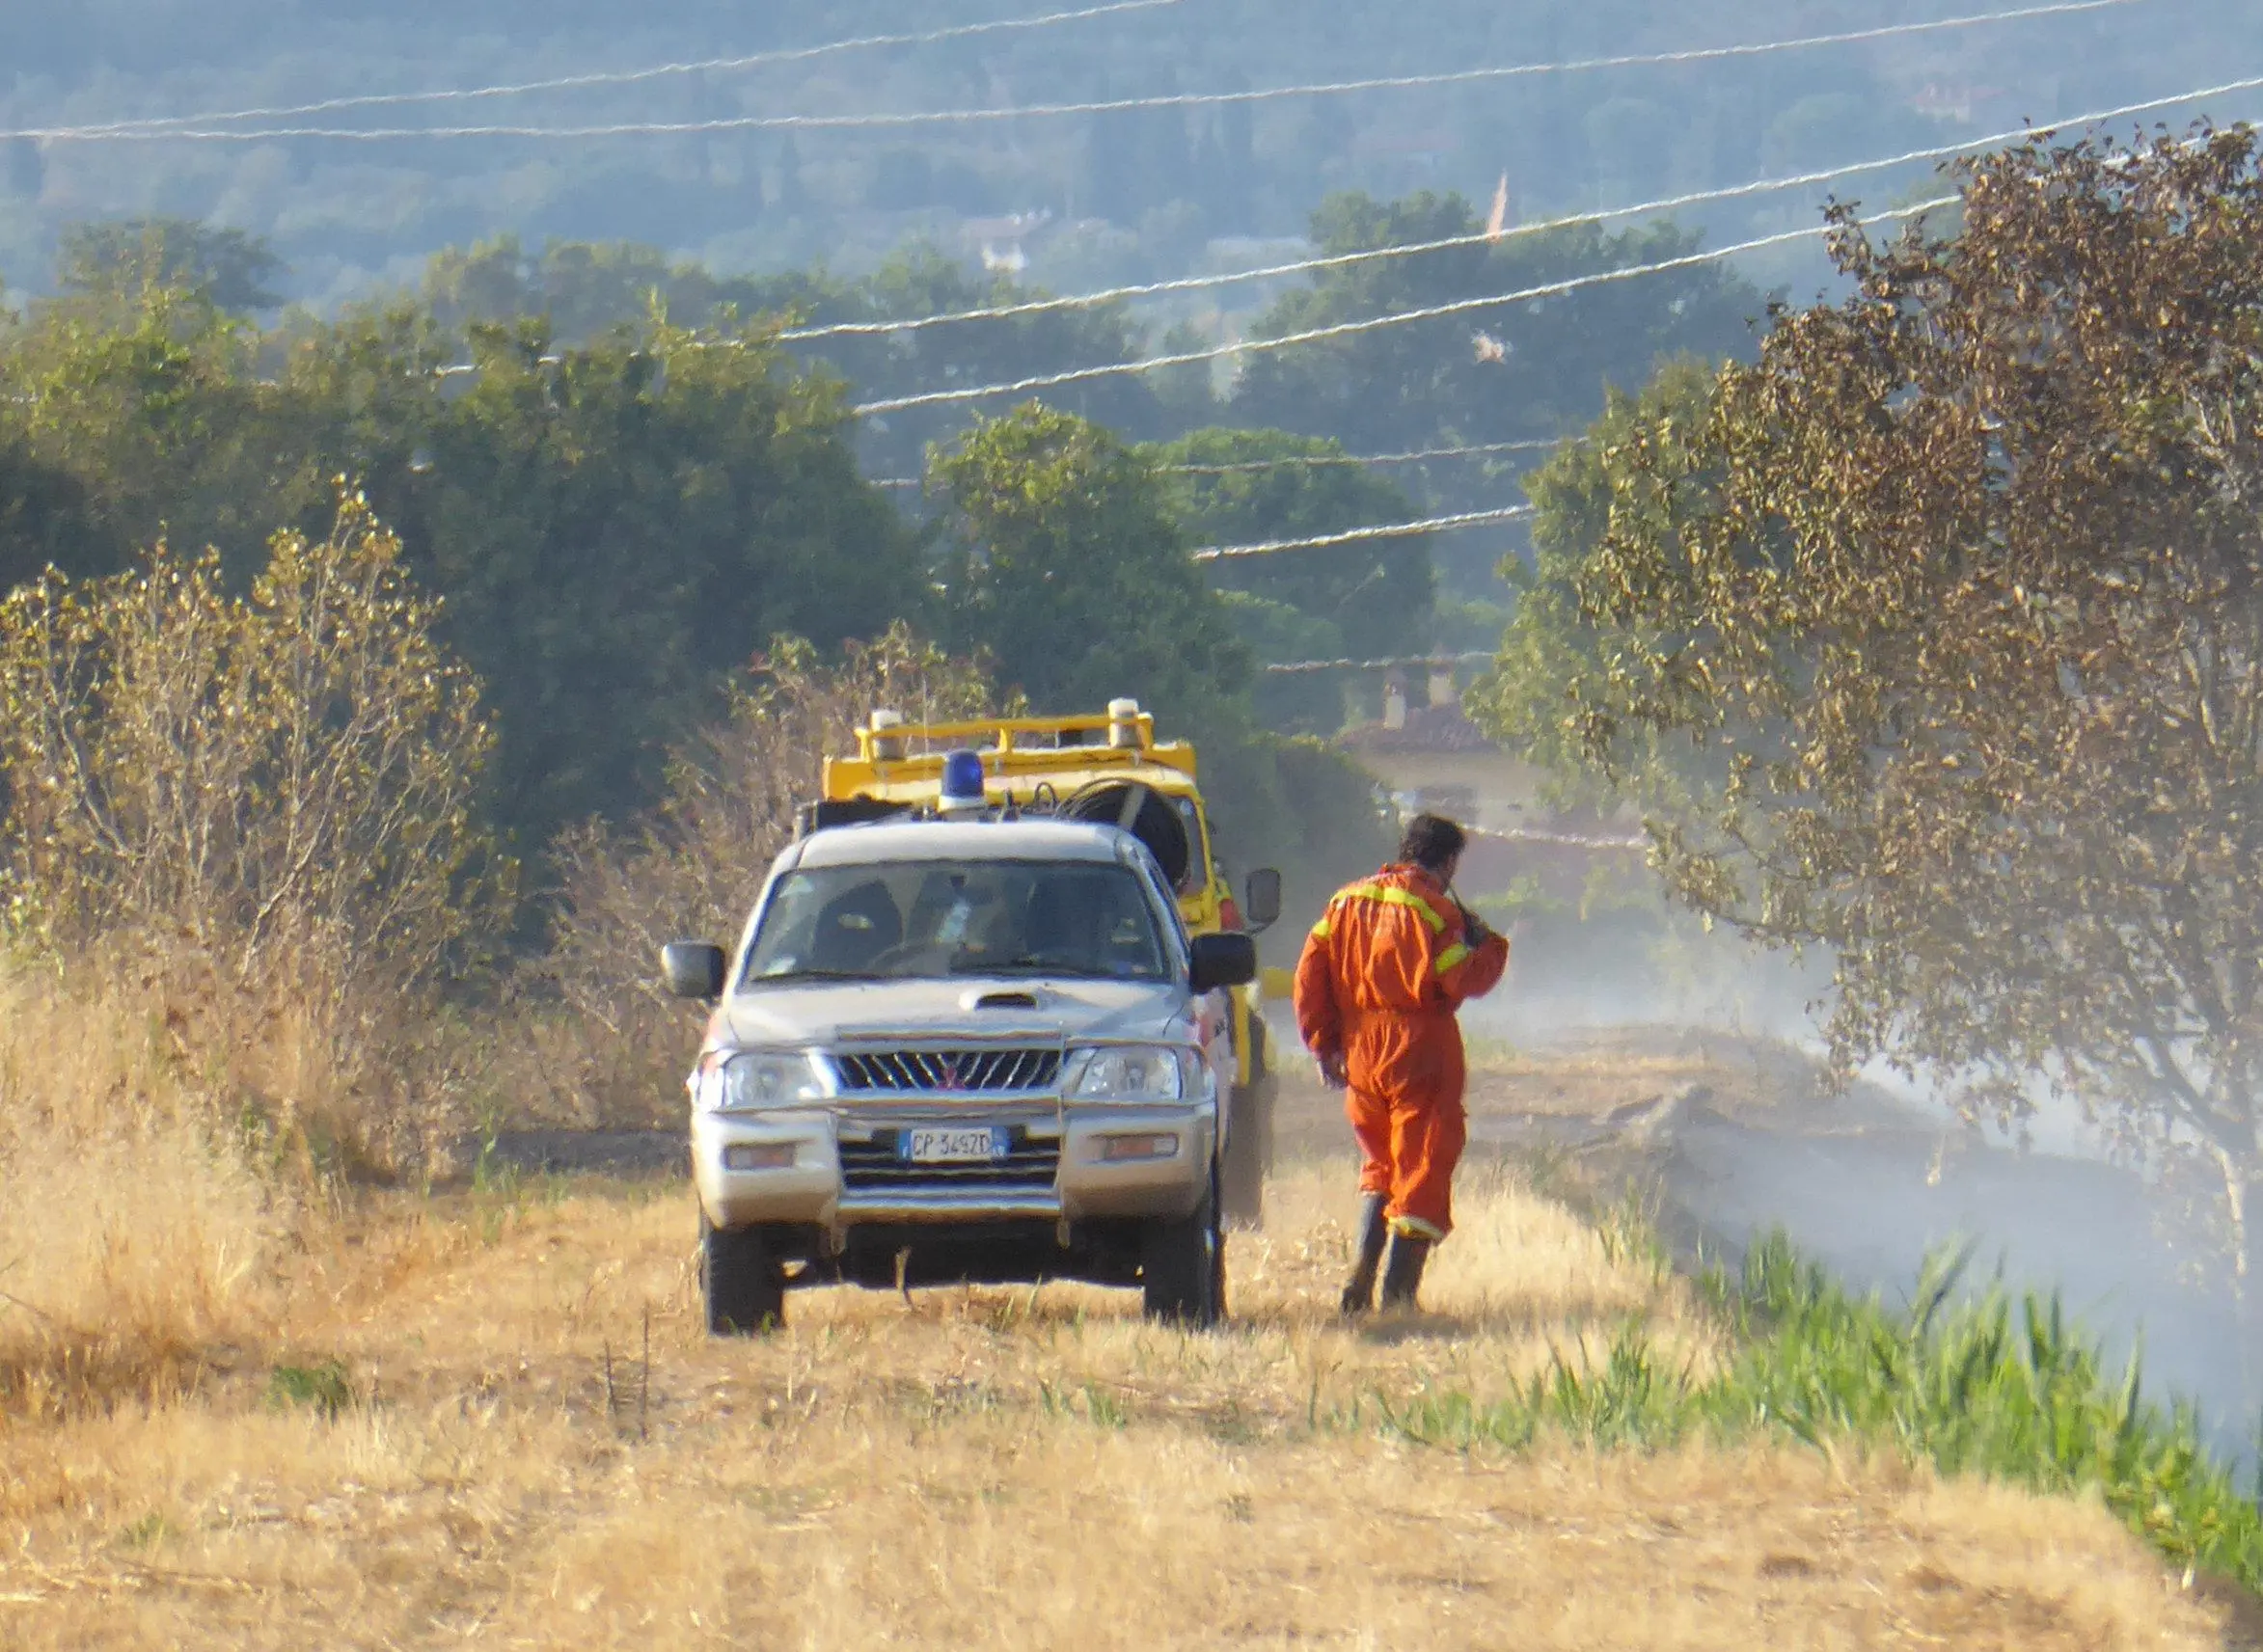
{"x":750,"y":1081}
{"x":1129,"y":1073}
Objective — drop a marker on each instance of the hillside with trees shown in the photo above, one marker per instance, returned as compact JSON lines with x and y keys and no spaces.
{"x":1125,"y":194}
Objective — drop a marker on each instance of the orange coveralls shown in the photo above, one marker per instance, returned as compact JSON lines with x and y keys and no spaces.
{"x":1380,"y":980}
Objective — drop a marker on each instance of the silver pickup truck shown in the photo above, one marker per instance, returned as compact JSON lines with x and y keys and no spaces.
{"x":949,"y":1050}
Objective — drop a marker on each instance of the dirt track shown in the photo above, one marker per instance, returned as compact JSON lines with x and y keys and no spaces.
{"x":528,"y":1441}
{"x":1860,"y":1183}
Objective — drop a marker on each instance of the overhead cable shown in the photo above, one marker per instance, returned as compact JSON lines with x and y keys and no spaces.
{"x":1397,"y":318}
{"x":1282,"y":461}
{"x":1247,"y":346}
{"x":1020,"y":112}
{"x":1572,"y":839}
{"x":1356,"y":535}
{"x":1484,"y":237}
{"x":1419,"y":455}
{"x":1420,"y":661}
{"x":157,"y":125}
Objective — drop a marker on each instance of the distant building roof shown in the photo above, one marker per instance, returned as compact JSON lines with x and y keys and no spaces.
{"x":1438,"y":729}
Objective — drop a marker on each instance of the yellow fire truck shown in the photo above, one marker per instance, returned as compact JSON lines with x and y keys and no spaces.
{"x":1110,"y":767}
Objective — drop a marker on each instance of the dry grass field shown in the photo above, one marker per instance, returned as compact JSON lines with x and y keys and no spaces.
{"x":425,"y":1421}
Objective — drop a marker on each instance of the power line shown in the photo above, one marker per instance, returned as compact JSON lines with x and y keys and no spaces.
{"x":1422,"y":455}
{"x":157,"y":125}
{"x":1432,"y":662}
{"x":1418,"y":456}
{"x":117,"y":133}
{"x":1348,"y":329}
{"x":1483,"y":238}
{"x":1345,"y":329}
{"x":1573,"y":284}
{"x":1412,"y":249}
{"x":1356,"y":535}
{"x":1575,"y":840}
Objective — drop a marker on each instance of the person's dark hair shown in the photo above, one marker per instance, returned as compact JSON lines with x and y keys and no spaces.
{"x":1432,"y":842}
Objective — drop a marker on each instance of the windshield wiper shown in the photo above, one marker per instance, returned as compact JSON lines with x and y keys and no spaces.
{"x":1029,"y":964}
{"x":793,"y":975}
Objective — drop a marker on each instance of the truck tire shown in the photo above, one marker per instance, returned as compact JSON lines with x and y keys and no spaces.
{"x":1182,"y":1268}
{"x":1249,"y":1145}
{"x":745,"y":1286}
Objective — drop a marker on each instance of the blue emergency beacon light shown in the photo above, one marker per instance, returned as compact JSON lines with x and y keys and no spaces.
{"x":961,"y":781}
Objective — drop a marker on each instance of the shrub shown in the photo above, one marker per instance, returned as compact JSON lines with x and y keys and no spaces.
{"x":261,"y":808}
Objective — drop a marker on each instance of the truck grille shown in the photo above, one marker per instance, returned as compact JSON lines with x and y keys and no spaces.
{"x":873,"y":1166}
{"x":948,"y":1072}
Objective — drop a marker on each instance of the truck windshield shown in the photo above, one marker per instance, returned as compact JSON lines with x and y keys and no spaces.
{"x":932,"y":918}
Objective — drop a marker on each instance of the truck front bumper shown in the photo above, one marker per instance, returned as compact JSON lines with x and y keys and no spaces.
{"x":837,"y":1168}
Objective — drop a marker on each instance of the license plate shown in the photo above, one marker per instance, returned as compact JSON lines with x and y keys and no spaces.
{"x":954,"y":1144}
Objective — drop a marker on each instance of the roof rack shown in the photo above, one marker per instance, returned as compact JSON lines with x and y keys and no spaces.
{"x":886,"y":737}
{"x":903,"y":762}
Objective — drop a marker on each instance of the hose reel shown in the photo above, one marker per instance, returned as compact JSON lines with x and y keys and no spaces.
{"x":1144,"y":812}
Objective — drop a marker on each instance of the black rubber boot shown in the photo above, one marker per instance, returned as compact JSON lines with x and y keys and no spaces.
{"x":1404,"y":1277}
{"x":1359,"y":1293}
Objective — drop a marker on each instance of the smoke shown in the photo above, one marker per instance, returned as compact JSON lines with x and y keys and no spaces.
{"x":1871,"y":1182}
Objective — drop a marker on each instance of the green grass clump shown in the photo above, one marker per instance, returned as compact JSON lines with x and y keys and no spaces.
{"x":326,"y":1387}
{"x":1988,"y":1385}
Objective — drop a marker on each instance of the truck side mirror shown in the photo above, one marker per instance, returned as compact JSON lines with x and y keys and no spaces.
{"x":693,"y":969}
{"x":1225,"y":959}
{"x":1263,"y":909}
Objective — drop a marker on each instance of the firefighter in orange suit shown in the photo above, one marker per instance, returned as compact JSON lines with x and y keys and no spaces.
{"x":1377,"y":988}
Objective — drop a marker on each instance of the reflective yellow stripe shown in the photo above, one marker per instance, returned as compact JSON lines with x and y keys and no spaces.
{"x":1390,"y":897}
{"x":1323,"y":929}
{"x":1415,"y":1227}
{"x":1451,"y":955}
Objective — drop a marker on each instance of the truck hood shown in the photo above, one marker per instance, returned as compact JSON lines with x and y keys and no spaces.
{"x":937,"y":1012}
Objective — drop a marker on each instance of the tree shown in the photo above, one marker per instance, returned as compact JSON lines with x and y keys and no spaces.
{"x":1426,"y":382}
{"x":128,"y":419}
{"x":282,"y":780}
{"x":616,"y":526}
{"x":617,"y":530}
{"x":1553,"y":667}
{"x":1065,"y":563}
{"x":130,"y":257}
{"x":922,"y":281}
{"x":1964,"y":584}
{"x":1367,"y":598}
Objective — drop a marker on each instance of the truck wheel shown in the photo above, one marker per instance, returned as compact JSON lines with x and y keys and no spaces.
{"x":744,"y":1285}
{"x":1249,"y":1146}
{"x":1182,"y":1268}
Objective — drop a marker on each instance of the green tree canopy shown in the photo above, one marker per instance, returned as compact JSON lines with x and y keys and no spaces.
{"x":1065,"y":563}
{"x":128,"y":257}
{"x":611,"y":527}
{"x":1426,"y":383}
{"x":584,"y":291}
{"x":615,"y":529}
{"x":1367,"y":598}
{"x":1242,"y":487}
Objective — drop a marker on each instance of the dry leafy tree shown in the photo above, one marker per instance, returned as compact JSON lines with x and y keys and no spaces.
{"x":690,"y":867}
{"x":255,"y":798}
{"x":1962,"y":583}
